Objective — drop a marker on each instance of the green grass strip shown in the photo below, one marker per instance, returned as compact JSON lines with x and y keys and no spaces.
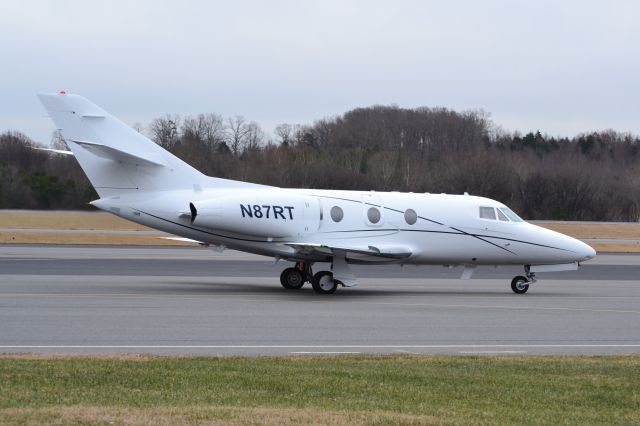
{"x":392,"y":389}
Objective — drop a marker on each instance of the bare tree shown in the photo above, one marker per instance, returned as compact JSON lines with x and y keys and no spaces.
{"x":164,"y":130}
{"x":57,"y":141}
{"x":254,"y":137}
{"x":237,"y":132}
{"x":284,"y":132}
{"x":204,"y":128}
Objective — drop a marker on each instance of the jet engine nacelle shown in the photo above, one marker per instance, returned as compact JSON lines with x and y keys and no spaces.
{"x":261,"y":215}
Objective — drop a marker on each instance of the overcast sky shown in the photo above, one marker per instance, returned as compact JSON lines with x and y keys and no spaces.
{"x":559,"y":66}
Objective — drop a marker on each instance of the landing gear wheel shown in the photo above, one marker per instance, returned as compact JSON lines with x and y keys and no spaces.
{"x":519,"y":285}
{"x":291,"y":279}
{"x":323,"y":283}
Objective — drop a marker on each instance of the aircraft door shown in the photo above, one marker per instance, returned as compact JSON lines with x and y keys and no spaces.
{"x":312,"y":215}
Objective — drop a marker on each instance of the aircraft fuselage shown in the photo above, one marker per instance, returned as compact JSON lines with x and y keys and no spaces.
{"x":445,"y":229}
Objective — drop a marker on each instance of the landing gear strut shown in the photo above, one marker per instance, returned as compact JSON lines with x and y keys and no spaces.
{"x":294,"y":278}
{"x":520,"y":284}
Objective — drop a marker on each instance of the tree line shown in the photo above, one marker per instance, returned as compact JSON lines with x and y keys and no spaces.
{"x":592,"y":176}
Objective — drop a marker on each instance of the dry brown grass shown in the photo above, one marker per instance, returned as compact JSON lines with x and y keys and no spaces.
{"x":205,"y":416}
{"x":610,"y":231}
{"x":80,"y":221}
{"x":83,"y":238}
{"x":65,"y":220}
{"x":75,"y":221}
{"x":615,"y":248}
{"x":628,"y":231}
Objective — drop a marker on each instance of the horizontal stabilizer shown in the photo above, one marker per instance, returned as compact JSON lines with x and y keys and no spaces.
{"x":118,"y":155}
{"x":56,"y":151}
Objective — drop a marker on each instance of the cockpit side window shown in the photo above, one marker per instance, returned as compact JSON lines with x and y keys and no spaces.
{"x":510,"y":214}
{"x":501,"y":216}
{"x":487,"y":213}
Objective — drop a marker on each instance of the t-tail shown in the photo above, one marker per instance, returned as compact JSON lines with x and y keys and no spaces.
{"x":116,"y":158}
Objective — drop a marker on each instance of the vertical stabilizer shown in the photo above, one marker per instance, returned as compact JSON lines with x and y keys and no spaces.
{"x":116,"y":158}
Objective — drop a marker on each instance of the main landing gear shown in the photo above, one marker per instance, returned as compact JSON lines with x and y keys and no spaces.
{"x":294,"y":278}
{"x":322,"y":282}
{"x":520,"y":284}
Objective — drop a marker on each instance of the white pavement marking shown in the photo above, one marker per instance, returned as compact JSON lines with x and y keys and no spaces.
{"x":517,"y":308}
{"x":532,"y":346}
{"x":324,"y":353}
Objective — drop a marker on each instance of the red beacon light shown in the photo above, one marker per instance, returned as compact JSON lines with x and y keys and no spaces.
{"x":63,"y":92}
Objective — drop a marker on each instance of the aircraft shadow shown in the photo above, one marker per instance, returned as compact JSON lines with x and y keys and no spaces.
{"x":306,"y":293}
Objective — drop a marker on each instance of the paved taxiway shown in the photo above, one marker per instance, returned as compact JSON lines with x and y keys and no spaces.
{"x":195,"y":301}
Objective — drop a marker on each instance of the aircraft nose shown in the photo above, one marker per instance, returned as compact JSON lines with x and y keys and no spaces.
{"x":585,"y":251}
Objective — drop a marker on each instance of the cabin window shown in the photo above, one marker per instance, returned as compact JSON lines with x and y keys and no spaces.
{"x":373,"y":214}
{"x":487,"y":213}
{"x":336,"y":214}
{"x":410,"y":216}
{"x":501,"y":216}
{"x":510,"y":214}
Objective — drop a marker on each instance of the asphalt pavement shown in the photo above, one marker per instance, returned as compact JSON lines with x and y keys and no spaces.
{"x":78,"y":299}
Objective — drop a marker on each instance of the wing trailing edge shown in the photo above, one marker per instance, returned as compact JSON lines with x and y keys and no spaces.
{"x":361,"y":253}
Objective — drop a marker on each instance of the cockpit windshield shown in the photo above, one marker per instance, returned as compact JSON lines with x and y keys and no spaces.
{"x":510,"y":214}
{"x":503,"y":214}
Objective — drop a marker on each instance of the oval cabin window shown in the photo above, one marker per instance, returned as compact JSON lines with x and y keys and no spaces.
{"x":336,"y":214}
{"x":373,"y":214}
{"x":410,"y":216}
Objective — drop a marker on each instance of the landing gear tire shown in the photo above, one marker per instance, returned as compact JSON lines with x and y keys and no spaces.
{"x":323,"y":283}
{"x":292,"y":279}
{"x":520,"y":285}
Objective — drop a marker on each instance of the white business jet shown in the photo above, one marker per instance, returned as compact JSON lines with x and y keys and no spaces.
{"x":139,"y":181}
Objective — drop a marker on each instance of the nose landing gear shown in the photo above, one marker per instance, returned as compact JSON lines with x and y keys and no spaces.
{"x":520,"y":284}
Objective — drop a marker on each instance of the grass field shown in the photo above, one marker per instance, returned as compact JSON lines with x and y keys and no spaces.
{"x":74,"y":223}
{"x":320,"y":390}
{"x":39,"y":219}
{"x":84,"y":238}
{"x":79,"y":221}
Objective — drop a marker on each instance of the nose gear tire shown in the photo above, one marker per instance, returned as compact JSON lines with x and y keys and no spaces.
{"x":520,"y":285}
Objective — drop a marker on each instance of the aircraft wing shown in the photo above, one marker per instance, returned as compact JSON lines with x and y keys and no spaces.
{"x":183,"y":240}
{"x":217,"y":248}
{"x":355,"y":253}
